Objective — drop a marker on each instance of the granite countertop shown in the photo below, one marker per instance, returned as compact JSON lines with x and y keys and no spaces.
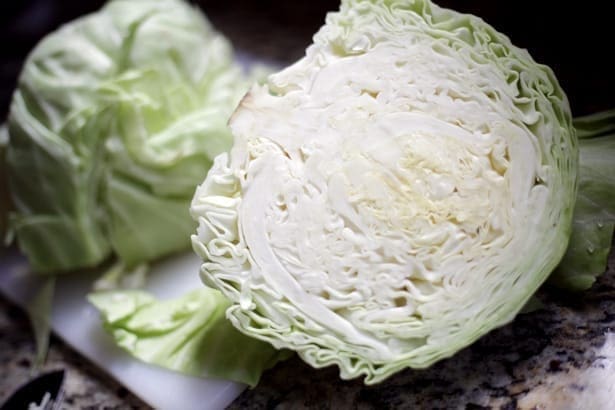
{"x":559,"y":357}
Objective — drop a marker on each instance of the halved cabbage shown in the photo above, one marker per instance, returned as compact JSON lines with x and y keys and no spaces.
{"x":394,"y":195}
{"x":116,"y":118}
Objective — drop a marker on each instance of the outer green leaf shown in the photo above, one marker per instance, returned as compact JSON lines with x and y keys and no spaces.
{"x":189,"y":334}
{"x":594,"y":214}
{"x":117,"y":116}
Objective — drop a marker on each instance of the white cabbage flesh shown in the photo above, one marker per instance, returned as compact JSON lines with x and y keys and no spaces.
{"x":394,"y":195}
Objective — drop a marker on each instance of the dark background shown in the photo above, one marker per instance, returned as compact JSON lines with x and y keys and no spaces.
{"x":576,"y":40}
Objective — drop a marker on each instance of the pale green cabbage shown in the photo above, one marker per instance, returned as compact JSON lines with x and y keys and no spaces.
{"x":394,"y":195}
{"x":188,"y":334}
{"x":116,"y":118}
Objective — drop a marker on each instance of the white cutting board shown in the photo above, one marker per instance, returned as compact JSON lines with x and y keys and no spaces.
{"x":75,"y":321}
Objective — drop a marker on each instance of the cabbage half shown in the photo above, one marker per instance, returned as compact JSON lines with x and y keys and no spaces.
{"x":116,"y":118}
{"x":394,"y":195}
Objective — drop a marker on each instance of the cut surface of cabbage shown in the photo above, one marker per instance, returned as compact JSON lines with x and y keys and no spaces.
{"x":392,"y":196}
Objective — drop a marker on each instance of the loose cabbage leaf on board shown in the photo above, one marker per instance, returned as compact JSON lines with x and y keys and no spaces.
{"x":594,"y":214}
{"x":116,"y":118}
{"x":189,"y":334}
{"x":396,"y":194}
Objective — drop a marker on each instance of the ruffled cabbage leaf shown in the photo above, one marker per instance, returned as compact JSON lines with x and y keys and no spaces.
{"x":188,"y":334}
{"x":394,"y":195}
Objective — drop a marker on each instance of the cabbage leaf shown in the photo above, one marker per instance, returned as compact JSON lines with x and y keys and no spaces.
{"x":594,"y":214}
{"x":188,"y":334}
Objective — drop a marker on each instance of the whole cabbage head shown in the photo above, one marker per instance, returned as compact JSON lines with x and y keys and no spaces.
{"x":394,"y":195}
{"x":116,"y":118}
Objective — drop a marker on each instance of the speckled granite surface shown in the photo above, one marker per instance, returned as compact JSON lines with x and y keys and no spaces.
{"x":561,"y":357}
{"x":85,"y":386}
